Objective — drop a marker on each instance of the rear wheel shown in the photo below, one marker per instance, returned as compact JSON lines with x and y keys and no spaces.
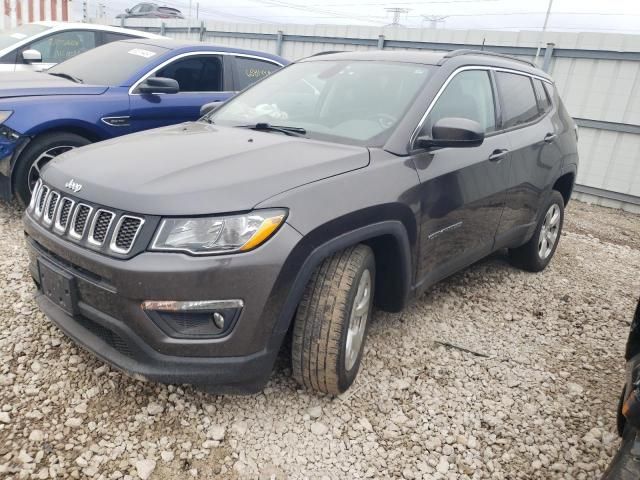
{"x":331,"y":323}
{"x":38,"y":153}
{"x":536,"y":254}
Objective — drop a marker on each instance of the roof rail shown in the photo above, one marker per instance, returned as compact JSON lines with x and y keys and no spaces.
{"x":466,"y":51}
{"x":326,"y":52}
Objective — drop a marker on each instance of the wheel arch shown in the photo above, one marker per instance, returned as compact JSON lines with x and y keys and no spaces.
{"x":564,"y":184}
{"x":391,"y":244}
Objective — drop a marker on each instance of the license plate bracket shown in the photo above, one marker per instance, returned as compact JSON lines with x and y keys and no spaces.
{"x":58,"y":285}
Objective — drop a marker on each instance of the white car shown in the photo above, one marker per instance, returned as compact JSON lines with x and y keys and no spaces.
{"x":39,"y":46}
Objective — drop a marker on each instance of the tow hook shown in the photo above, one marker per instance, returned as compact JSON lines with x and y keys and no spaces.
{"x":631,"y":411}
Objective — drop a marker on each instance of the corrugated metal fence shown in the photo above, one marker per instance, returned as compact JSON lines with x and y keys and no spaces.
{"x":598,"y":76}
{"x":16,"y":12}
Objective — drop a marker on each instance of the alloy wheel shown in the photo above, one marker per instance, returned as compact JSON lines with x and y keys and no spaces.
{"x":358,"y":320}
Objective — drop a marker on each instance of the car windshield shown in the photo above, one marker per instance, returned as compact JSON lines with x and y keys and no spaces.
{"x":112,"y":64}
{"x":347,"y":101}
{"x":15,"y":35}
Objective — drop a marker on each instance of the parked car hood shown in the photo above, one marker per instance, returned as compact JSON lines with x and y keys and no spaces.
{"x":28,"y":84}
{"x":196,"y":168}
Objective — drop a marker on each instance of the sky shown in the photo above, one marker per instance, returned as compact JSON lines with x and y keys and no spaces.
{"x":621,"y":16}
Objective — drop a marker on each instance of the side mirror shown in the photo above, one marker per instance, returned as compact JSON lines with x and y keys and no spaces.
{"x":32,"y":56}
{"x":159,"y":85}
{"x":127,"y":10}
{"x":453,"y":132}
{"x":209,"y":107}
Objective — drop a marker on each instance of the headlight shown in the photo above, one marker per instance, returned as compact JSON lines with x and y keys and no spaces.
{"x":211,"y":235}
{"x":4,"y":115}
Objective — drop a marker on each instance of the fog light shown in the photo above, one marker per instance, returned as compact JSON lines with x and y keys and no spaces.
{"x":218,"y":320}
{"x":194,"y":319}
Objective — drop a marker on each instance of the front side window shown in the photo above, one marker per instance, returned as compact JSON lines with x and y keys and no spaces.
{"x":250,"y":70}
{"x":519,"y":103}
{"x":199,"y":73}
{"x":357,"y":102}
{"x":61,"y":46}
{"x":468,"y":95}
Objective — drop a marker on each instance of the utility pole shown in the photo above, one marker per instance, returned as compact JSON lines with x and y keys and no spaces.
{"x":544,"y":29}
{"x":434,"y":20}
{"x":397,"y":11}
{"x":85,"y":11}
{"x":189,"y":19}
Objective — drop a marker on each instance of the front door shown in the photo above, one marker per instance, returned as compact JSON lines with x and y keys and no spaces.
{"x":462,"y":189}
{"x":201,"y":79}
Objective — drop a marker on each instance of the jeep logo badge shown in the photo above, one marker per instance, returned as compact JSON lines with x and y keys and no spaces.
{"x":73,"y":185}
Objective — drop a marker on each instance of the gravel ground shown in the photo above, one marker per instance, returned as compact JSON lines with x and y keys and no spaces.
{"x":494,"y":373}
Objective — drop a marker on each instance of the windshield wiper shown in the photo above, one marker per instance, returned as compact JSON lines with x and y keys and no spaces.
{"x":67,"y":76}
{"x":267,"y":127}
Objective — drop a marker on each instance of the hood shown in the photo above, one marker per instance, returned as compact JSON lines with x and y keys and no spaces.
{"x":26,"y":84}
{"x":197,"y":168}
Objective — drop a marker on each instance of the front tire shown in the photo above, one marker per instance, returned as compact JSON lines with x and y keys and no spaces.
{"x":332,"y":319}
{"x":536,"y":254}
{"x":37,"y":154}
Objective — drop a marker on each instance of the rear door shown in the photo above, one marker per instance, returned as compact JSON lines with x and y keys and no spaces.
{"x":462,"y":189}
{"x":248,"y":70}
{"x":203,"y":78}
{"x":535,"y":156}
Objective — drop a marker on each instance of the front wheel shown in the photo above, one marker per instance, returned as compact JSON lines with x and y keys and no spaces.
{"x":37,"y":154}
{"x":331,"y":322}
{"x":536,"y":254}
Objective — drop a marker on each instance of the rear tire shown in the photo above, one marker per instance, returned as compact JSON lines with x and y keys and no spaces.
{"x":536,"y":254}
{"x":331,"y":322}
{"x":37,"y":154}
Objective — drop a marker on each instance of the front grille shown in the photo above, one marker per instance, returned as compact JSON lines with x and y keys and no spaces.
{"x":79,"y":222}
{"x":111,"y":338}
{"x":52,"y":203}
{"x":100,"y":226}
{"x":63,"y":214}
{"x":87,"y":224}
{"x":126,"y":233}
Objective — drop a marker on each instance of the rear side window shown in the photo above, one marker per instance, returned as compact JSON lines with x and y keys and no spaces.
{"x":468,"y":95}
{"x":519,"y":103}
{"x":108,"y":37}
{"x":250,"y":70}
{"x":543,"y":98}
{"x":198,"y":73}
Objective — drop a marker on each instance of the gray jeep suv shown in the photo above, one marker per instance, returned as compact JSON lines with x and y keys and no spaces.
{"x":187,"y":253}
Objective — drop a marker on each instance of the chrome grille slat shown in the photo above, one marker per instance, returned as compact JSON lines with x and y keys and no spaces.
{"x":79,"y":221}
{"x":100,"y":226}
{"x":42,"y":198}
{"x":125,"y":234}
{"x":50,"y":209}
{"x":34,"y":195}
{"x":64,"y":212}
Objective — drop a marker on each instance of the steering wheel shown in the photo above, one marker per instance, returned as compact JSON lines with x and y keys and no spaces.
{"x":385,"y":120}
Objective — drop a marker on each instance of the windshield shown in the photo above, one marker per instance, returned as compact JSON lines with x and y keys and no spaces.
{"x":346,"y":101}
{"x":111,"y":64}
{"x":15,"y":35}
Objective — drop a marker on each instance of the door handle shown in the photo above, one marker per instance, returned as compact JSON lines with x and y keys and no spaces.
{"x":498,"y":155}
{"x":550,"y":137}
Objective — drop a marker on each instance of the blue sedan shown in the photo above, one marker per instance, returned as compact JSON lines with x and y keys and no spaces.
{"x":113,"y":90}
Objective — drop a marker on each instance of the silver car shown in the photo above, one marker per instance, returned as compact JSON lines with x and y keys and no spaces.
{"x":39,"y":46}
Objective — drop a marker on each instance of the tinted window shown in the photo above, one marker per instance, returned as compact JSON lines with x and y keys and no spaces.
{"x":61,"y":46}
{"x":519,"y":104}
{"x":250,"y":70}
{"x":111,"y":64}
{"x":543,"y":98}
{"x":114,"y":37}
{"x":468,"y":95}
{"x":15,"y":35}
{"x":195,"y":74}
